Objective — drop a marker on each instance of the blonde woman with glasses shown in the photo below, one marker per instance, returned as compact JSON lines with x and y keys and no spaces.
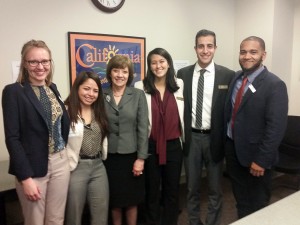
{"x":36,"y":126}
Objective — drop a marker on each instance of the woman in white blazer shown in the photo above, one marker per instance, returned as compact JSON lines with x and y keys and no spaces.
{"x":164,"y":94}
{"x":87,"y":147}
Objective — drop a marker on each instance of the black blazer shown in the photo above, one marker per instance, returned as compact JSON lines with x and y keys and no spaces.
{"x":223,"y":77}
{"x":26,"y":132}
{"x":260,"y":121}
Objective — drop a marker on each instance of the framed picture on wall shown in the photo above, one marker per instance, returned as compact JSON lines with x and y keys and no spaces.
{"x":92,"y":52}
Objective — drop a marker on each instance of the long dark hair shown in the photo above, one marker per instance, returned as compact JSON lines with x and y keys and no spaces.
{"x":74,"y":107}
{"x":148,"y":81}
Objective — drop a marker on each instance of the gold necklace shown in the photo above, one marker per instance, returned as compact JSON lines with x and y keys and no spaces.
{"x":120,"y":95}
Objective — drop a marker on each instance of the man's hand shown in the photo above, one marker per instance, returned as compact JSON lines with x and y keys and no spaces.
{"x":256,"y":170}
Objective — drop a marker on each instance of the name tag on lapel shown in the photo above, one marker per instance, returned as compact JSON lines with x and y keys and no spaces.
{"x":252,"y":88}
{"x":179,"y":98}
{"x":222,"y":86}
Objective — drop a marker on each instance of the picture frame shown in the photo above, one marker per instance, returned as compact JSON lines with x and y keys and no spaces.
{"x":92,"y":52}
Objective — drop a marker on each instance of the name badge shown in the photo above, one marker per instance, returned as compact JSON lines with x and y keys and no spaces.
{"x":179,"y":98}
{"x":222,"y":86}
{"x":252,"y":88}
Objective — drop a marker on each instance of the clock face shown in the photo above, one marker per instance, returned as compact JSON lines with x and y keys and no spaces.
{"x":108,"y":5}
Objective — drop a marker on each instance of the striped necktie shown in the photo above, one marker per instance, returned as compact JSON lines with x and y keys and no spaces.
{"x":199,"y":105}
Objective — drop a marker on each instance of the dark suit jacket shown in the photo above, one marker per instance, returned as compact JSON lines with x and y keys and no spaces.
{"x":128,"y":122}
{"x":26,"y":131}
{"x":260,"y":121}
{"x":223,"y":77}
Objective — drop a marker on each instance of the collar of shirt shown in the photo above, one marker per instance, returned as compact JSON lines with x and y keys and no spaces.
{"x":210,"y":68}
{"x":252,"y":76}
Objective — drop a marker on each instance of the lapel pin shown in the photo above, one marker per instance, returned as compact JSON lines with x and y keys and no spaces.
{"x":107,"y":98}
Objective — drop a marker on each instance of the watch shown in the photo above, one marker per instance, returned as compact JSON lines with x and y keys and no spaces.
{"x":108,"y":5}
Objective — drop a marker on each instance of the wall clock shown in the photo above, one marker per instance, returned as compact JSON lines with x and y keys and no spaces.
{"x":108,"y":5}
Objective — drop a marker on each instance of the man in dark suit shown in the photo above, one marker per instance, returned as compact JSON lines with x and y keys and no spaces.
{"x":204,"y":126}
{"x":256,"y":115}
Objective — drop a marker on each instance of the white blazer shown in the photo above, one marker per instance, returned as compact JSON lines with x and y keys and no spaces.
{"x":75,"y":142}
{"x":179,"y":100}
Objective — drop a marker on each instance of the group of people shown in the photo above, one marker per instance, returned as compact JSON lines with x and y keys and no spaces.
{"x":115,"y":148}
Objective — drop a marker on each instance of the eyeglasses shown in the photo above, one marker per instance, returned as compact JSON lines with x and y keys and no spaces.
{"x":35,"y":63}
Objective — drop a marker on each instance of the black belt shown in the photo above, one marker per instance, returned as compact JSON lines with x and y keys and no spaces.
{"x":207,"y":131}
{"x":97,"y":156}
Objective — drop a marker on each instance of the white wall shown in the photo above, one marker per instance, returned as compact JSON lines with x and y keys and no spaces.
{"x":254,"y":18}
{"x":277,"y":22}
{"x":283,"y":40}
{"x":294,"y":87}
